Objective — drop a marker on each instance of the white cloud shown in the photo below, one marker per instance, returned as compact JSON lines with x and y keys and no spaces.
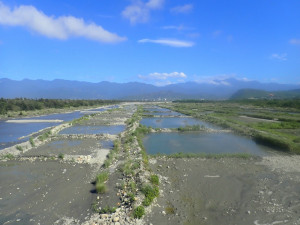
{"x":217,"y":80}
{"x":139,"y":12}
{"x":155,"y":4}
{"x":168,"y":42}
{"x":295,"y":41}
{"x":162,"y":79}
{"x":281,"y":57}
{"x":62,"y":27}
{"x":187,"y":8}
{"x":163,"y":76}
{"x":179,"y":27}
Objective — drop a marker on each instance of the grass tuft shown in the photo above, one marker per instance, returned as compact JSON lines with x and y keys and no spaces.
{"x":19,"y":148}
{"x":139,"y":212}
{"x":32,"y":141}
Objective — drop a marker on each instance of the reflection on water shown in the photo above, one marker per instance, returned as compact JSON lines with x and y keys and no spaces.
{"x":173,"y":122}
{"x":213,"y":143}
{"x":78,"y":129}
{"x":10,"y":132}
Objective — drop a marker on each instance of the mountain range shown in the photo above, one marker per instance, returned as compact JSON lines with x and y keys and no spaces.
{"x":65,"y":89}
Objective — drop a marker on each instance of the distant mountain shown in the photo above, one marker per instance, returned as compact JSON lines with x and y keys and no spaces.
{"x":261,"y":94}
{"x":65,"y":89}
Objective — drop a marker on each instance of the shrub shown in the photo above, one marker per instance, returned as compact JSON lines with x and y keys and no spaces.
{"x":19,"y":148}
{"x":108,"y":209}
{"x":102,"y":177}
{"x":31,"y":141}
{"x":101,"y":188}
{"x":150,"y":194}
{"x":139,"y":212}
{"x":8,"y":156}
{"x":61,"y":156}
{"x":154,"y":179}
{"x":132,"y":186}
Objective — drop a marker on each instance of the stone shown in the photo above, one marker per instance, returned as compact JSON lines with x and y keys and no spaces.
{"x":116,"y":219}
{"x":104,"y":216}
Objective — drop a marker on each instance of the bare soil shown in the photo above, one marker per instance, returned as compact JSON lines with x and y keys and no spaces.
{"x":225,"y":191}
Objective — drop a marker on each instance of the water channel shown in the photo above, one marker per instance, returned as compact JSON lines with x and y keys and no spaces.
{"x":10,"y":133}
{"x":196,"y":142}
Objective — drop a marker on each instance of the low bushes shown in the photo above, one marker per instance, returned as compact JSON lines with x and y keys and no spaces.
{"x":139,"y":212}
{"x":150,"y":194}
{"x":100,"y":185}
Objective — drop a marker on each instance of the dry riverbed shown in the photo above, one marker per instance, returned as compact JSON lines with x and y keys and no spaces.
{"x":227,"y":191}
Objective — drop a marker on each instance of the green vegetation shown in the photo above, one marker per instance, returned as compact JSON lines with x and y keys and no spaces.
{"x":31,"y":141}
{"x":139,"y":133}
{"x":8,"y":156}
{"x":101,"y":188}
{"x":23,"y":104}
{"x":19,"y":148}
{"x":61,"y":156}
{"x":108,"y":210}
{"x":275,"y":123}
{"x":191,"y":128}
{"x":112,"y":154}
{"x":150,"y":194}
{"x":81,"y":119}
{"x":139,"y":212}
{"x":100,"y":185}
{"x":154,"y":179}
{"x":128,"y":168}
{"x":102,"y":177}
{"x":45,"y":135}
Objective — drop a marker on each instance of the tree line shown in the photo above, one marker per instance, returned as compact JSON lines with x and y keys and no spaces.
{"x":24,"y":104}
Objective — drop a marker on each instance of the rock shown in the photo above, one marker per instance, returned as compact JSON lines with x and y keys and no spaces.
{"x":117,"y":223}
{"x":116,"y":219}
{"x":104,"y":216}
{"x":248,"y":212}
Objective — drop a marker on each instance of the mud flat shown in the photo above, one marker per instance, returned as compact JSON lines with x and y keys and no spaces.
{"x":41,"y":193}
{"x":227,"y":191}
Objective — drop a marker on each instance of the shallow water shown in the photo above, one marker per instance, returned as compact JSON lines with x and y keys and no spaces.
{"x":93,"y":129}
{"x":107,"y":144}
{"x":173,"y":122}
{"x":198,"y":142}
{"x":10,"y":132}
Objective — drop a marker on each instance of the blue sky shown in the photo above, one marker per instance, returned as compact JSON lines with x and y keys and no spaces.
{"x":152,"y":41}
